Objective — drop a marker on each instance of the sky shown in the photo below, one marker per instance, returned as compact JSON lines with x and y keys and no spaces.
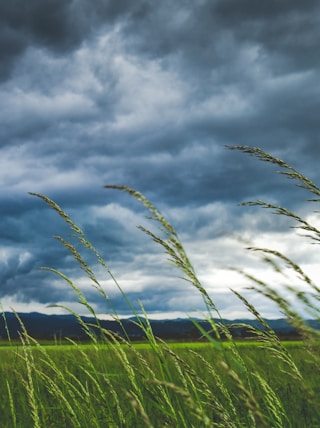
{"x":148,"y":95}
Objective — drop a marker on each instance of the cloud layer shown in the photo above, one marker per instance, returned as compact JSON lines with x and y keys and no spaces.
{"x":148,"y":95}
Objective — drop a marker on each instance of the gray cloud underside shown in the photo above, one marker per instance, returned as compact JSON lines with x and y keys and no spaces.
{"x":148,"y":95}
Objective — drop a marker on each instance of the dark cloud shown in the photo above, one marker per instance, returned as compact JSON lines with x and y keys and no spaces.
{"x":210,"y":33}
{"x":284,"y":30}
{"x":148,"y":95}
{"x":60,"y":26}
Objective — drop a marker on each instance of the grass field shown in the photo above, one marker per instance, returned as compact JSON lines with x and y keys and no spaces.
{"x":181,"y":384}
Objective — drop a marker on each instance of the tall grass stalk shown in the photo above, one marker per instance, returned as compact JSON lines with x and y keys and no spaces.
{"x":8,"y":336}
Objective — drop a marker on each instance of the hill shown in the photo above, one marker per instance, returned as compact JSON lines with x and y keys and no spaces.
{"x":41,"y":326}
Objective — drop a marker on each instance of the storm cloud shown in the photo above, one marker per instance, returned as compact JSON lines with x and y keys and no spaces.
{"x":149,"y":95}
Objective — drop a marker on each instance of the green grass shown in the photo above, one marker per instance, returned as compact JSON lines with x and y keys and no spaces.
{"x":113,"y":382}
{"x":92,"y":379}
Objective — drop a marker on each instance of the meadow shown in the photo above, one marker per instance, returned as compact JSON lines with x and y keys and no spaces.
{"x":219,"y":382}
{"x":184,"y":384}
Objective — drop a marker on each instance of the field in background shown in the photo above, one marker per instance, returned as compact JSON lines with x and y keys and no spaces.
{"x":90,"y":385}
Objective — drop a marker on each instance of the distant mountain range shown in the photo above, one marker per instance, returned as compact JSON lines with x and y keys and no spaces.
{"x":41,"y":326}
